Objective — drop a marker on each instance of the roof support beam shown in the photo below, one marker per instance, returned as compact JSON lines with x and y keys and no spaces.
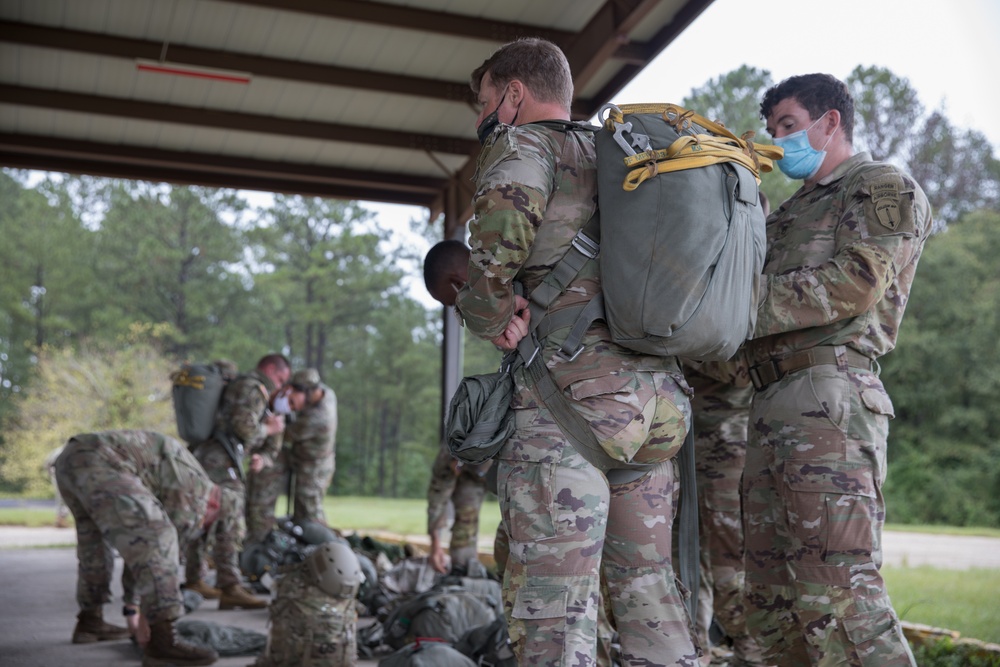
{"x":637,"y":55}
{"x":166,"y":113}
{"x":326,"y":75}
{"x":36,"y":152}
{"x":411,"y":18}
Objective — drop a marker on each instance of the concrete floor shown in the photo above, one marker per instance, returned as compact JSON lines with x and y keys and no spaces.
{"x":38,"y":613}
{"x":38,"y":607}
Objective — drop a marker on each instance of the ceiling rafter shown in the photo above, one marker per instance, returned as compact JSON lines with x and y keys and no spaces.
{"x":29,"y":151}
{"x":173,"y":113}
{"x":327,"y":75}
{"x":411,"y":18}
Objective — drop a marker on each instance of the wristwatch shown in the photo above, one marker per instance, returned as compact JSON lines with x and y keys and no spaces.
{"x":129,"y":611}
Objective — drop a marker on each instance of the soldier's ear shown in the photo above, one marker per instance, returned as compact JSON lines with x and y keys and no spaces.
{"x":515,"y":92}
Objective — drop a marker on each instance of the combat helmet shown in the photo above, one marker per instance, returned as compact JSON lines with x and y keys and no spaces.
{"x":335,"y":569}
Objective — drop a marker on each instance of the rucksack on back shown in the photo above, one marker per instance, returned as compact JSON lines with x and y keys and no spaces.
{"x":681,"y":231}
{"x":197,"y":390}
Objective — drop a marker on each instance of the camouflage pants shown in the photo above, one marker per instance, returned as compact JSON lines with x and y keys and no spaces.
{"x":467,"y":499}
{"x":813,"y":515}
{"x":565,"y":523}
{"x":113,"y":508}
{"x":312,"y":478}
{"x":721,"y":412}
{"x":226,"y":544}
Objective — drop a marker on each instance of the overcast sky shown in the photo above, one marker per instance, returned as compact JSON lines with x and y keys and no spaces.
{"x":949,"y":52}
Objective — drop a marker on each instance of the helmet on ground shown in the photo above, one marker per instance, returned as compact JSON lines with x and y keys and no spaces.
{"x":335,"y":569}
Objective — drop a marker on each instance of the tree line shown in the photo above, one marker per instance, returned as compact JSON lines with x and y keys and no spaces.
{"x":107,"y":285}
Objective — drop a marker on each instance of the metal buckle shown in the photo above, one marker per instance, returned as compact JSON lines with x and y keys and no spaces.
{"x":759,"y":380}
{"x":576,"y":354}
{"x":586,"y":246}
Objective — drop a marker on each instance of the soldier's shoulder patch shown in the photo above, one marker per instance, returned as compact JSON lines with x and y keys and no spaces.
{"x":887,"y":201}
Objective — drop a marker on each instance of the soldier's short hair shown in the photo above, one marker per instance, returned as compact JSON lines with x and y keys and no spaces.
{"x":443,"y":258}
{"x":538,"y":63}
{"x":818,"y":93}
{"x":279,"y":361}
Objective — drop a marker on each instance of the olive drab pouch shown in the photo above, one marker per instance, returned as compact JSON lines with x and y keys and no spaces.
{"x":479,"y":417}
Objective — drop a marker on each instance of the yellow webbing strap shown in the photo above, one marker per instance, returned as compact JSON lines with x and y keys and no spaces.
{"x":691,"y":150}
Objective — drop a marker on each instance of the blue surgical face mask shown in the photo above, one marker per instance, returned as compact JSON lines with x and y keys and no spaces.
{"x":801,"y":160}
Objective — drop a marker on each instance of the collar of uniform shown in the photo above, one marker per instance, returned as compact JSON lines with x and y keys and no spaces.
{"x":846,"y":166}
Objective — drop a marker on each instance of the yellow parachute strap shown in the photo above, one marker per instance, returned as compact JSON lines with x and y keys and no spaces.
{"x":692,"y":151}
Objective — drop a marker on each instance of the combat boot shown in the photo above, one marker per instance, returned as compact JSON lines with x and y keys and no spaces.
{"x":166,"y":649}
{"x":206,"y":591}
{"x":237,"y":597}
{"x":90,"y":628}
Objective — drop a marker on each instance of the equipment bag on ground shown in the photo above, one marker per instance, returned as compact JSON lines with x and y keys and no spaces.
{"x":444,"y":613}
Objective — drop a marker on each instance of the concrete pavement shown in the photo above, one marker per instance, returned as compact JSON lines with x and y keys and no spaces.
{"x":38,"y":607}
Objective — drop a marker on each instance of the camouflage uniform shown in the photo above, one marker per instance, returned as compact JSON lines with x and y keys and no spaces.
{"x":309,"y":455}
{"x":144,"y":494}
{"x":241,"y":412}
{"x":721,"y":406}
{"x":464,"y":486}
{"x":536,"y":188}
{"x":840,"y":261}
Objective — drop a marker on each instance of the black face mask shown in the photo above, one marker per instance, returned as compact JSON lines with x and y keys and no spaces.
{"x":490,"y":123}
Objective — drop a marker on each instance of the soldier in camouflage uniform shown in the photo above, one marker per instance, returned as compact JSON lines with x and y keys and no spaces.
{"x":841,"y":256}
{"x":308,"y":454}
{"x":464,"y":486}
{"x":721,"y":406}
{"x":243,"y":417}
{"x":145,"y":495}
{"x":535,"y":188}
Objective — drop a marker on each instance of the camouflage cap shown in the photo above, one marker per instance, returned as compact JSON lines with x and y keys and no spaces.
{"x":306,"y":378}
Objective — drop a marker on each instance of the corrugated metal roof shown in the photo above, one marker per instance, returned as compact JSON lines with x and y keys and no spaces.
{"x":365,"y":100}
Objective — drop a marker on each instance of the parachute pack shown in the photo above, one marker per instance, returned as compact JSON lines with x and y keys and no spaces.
{"x":679,"y":235}
{"x":197,"y":390}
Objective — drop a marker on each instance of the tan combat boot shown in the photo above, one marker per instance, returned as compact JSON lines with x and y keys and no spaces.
{"x":166,"y":649}
{"x":90,"y":628}
{"x":237,"y":597}
{"x":206,"y":591}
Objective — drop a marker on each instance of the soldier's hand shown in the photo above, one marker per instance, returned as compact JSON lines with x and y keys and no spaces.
{"x":517,"y":328}
{"x":274,"y":424}
{"x":256,"y":463}
{"x":138,"y":627}
{"x":438,"y":560}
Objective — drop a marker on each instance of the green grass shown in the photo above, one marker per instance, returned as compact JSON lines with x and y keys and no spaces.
{"x":406,"y":516}
{"x":962,"y":600}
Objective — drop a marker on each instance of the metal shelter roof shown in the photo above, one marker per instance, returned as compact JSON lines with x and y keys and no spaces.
{"x":336,"y":98}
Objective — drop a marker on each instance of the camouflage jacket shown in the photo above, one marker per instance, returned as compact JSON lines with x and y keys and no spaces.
{"x":313,"y":434}
{"x":536,"y":187}
{"x":241,"y":411}
{"x":841,"y":256}
{"x":164,"y":466}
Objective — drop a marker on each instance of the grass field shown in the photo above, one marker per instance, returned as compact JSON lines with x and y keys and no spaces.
{"x":958,"y":600}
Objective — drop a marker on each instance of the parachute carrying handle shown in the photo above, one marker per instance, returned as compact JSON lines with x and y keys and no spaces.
{"x":688,"y":152}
